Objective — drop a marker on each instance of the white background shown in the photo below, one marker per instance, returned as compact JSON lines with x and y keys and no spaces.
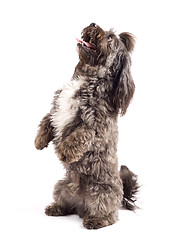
{"x":37,"y":55}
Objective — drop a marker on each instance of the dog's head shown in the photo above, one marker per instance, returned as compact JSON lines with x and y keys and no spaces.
{"x":99,"y":48}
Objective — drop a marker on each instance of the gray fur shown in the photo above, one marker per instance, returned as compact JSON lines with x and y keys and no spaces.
{"x":85,"y":133}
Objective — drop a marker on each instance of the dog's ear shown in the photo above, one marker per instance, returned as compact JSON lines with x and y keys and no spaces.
{"x":123,"y":84}
{"x":128,"y":40}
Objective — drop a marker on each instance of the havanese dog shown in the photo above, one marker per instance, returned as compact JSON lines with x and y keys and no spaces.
{"x":82,"y":125}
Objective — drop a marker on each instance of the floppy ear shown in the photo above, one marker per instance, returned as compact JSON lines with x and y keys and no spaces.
{"x":124,"y":86}
{"x":128,"y":40}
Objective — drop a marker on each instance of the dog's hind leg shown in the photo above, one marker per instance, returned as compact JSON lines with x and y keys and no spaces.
{"x":64,"y":201}
{"x":45,"y":133}
{"x":103,"y":205}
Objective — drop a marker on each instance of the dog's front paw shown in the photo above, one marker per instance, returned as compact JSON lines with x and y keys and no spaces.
{"x":41,"y":142}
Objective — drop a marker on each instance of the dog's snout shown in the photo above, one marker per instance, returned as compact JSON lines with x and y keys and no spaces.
{"x":93,"y":25}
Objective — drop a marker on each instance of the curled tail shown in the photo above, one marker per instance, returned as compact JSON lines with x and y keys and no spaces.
{"x":130,"y":188}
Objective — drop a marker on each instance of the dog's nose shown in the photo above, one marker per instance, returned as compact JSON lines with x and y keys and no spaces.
{"x":93,"y":25}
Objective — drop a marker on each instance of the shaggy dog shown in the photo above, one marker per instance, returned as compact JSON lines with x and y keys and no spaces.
{"x":83,"y":127}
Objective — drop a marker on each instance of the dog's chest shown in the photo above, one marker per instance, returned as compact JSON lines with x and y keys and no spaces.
{"x":67,"y":105}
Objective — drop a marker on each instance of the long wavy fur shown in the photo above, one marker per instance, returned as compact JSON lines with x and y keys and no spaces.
{"x":82,"y":125}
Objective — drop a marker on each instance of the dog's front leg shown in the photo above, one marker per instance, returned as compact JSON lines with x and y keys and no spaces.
{"x":45,"y":133}
{"x":46,"y":130}
{"x":75,"y":145}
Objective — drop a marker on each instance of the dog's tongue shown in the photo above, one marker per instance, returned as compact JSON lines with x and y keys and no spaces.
{"x":86,"y":43}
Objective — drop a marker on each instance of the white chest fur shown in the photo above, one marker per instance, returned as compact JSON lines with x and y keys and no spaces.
{"x":67,"y":106}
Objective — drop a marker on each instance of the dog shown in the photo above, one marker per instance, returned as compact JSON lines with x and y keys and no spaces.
{"x":82,"y":125}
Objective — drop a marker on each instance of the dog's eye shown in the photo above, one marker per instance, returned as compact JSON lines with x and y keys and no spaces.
{"x":110,"y":37}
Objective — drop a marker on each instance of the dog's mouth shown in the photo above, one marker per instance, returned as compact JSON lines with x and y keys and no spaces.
{"x":87,"y":45}
{"x":91,"y":36}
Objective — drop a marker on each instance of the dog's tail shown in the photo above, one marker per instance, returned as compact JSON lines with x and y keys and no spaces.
{"x":130,"y":188}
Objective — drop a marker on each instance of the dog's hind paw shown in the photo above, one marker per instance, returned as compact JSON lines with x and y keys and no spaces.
{"x":95,"y":222}
{"x":53,"y":210}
